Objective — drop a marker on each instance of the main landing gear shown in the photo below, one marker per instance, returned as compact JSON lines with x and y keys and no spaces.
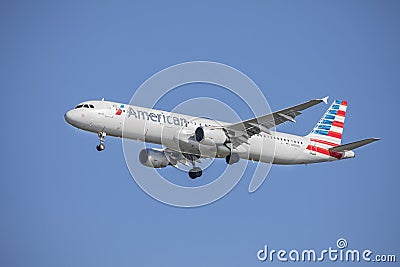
{"x":195,"y":172}
{"x":101,"y":146}
{"x":232,"y":158}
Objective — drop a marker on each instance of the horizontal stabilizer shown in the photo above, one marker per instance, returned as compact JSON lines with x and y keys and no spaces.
{"x":353,"y":145}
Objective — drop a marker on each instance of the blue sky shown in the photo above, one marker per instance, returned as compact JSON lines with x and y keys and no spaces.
{"x":64,"y":204}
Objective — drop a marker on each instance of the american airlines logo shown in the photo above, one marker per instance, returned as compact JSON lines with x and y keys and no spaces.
{"x":157,"y":117}
{"x":120,"y":109}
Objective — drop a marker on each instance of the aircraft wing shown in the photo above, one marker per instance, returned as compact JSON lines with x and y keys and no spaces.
{"x":243,"y":130}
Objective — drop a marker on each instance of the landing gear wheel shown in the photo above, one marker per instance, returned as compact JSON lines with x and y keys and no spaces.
{"x":232,"y":158}
{"x":100,"y":147}
{"x":195,"y":172}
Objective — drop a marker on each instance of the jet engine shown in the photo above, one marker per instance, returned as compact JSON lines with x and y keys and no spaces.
{"x":153,"y":158}
{"x":216,"y":135}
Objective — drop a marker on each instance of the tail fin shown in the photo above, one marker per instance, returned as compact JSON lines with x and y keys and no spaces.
{"x":329,"y":129}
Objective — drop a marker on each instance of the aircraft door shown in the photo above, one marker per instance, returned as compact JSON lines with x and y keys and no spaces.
{"x":109,"y":113}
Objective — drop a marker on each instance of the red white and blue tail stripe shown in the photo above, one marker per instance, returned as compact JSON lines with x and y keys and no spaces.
{"x":328,"y":131}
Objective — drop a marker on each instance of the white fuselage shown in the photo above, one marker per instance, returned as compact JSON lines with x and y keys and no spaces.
{"x":169,"y":129}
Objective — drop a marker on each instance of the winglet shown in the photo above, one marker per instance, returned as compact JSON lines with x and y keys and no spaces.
{"x":325,"y":99}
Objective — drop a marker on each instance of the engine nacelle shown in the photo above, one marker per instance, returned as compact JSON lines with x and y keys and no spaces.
{"x":217,"y":136}
{"x":153,"y":158}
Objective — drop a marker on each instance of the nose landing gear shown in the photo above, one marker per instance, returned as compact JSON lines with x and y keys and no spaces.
{"x":101,"y":146}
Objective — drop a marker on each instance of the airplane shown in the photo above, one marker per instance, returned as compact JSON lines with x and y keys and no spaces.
{"x":187,"y":139}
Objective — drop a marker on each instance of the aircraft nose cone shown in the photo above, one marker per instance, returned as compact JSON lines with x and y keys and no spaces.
{"x":69,"y":117}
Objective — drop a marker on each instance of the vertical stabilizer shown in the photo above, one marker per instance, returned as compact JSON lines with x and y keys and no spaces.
{"x":329,"y":129}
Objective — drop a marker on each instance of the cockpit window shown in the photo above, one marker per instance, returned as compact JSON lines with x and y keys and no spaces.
{"x":84,"y":106}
